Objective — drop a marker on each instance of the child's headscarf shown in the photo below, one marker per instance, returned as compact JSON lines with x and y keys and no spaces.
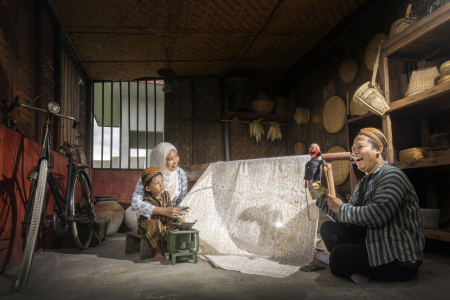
{"x":148,"y":174}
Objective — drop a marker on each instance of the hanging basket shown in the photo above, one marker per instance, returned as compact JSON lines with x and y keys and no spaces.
{"x":369,"y":95}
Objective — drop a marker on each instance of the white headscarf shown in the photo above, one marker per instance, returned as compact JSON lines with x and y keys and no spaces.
{"x":158,"y":160}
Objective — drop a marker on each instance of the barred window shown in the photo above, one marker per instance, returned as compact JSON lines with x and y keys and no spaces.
{"x":128,"y":121}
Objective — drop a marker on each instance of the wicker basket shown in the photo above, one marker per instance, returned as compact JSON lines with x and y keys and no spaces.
{"x":413,"y":154}
{"x":348,"y":70}
{"x":280,"y":100}
{"x":282,"y":109}
{"x":444,"y":79}
{"x":301,"y":115}
{"x":396,"y":24}
{"x":421,"y":80}
{"x":370,"y":96}
{"x":340,"y":168}
{"x":445,"y":68}
{"x":263,"y":106}
{"x":334,"y":114}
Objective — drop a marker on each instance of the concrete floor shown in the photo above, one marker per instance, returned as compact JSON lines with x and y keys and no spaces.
{"x":105,"y":272}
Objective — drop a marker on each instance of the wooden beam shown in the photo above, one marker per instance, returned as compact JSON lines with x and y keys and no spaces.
{"x":437,"y":234}
{"x":421,"y":163}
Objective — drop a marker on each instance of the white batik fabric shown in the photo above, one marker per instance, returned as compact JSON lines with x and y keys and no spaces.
{"x":253,"y":215}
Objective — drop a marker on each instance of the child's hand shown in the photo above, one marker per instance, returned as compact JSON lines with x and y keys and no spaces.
{"x":172,"y":212}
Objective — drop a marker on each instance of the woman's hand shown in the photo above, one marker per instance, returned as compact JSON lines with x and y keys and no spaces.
{"x":171,"y":212}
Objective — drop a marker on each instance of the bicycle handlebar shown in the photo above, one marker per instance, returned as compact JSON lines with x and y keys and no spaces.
{"x":16,"y":103}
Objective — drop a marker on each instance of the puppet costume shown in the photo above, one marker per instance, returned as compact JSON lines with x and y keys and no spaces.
{"x":313,"y":173}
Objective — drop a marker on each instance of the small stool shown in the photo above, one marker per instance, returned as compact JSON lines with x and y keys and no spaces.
{"x":133,"y":239}
{"x":187,"y":244}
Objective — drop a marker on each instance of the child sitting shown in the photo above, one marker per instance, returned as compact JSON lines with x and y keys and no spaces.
{"x":155,"y":227}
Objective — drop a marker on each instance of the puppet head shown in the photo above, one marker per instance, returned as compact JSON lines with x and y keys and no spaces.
{"x":314,"y":150}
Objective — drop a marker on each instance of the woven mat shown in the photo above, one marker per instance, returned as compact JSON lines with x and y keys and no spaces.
{"x":334,"y":114}
{"x":340,"y":168}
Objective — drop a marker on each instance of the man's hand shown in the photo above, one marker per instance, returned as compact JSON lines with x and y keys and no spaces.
{"x":333,"y":203}
{"x":172,"y":212}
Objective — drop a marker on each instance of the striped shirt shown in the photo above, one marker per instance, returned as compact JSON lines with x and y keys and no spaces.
{"x":145,"y":209}
{"x":390,"y":211}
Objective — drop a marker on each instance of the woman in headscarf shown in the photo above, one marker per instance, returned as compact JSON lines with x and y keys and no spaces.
{"x":165,"y":157}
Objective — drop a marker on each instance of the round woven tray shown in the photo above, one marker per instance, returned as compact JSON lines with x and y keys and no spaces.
{"x":301,"y":115}
{"x":299,"y":148}
{"x":317,"y":118}
{"x":371,"y":50}
{"x":348,"y":69}
{"x":340,"y":168}
{"x":334,"y":114}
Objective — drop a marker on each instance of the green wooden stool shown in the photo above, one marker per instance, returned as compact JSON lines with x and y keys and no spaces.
{"x":182,"y":244}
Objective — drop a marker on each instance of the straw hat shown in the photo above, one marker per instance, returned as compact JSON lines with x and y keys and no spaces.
{"x":299,"y":148}
{"x":301,"y":115}
{"x":340,"y":168}
{"x":334,"y":114}
{"x":317,"y":119}
{"x":421,"y":80}
{"x":348,"y":69}
{"x":371,"y":50}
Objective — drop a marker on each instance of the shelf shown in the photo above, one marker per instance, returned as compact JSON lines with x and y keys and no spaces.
{"x":422,"y":163}
{"x":255,"y":116}
{"x":423,"y":40}
{"x":437,"y":234}
{"x":436,"y":98}
{"x":364,"y":119}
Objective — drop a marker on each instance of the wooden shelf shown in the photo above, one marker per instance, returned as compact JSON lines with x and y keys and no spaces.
{"x":255,"y":116}
{"x":422,"y":163}
{"x":437,"y":234}
{"x":364,"y":119}
{"x":423,"y":40}
{"x":436,"y":98}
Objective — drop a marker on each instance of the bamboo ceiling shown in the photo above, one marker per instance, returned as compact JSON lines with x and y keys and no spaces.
{"x":203,"y":37}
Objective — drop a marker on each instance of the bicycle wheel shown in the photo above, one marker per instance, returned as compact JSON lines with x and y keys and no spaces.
{"x":33,"y":226}
{"x":81,"y":206}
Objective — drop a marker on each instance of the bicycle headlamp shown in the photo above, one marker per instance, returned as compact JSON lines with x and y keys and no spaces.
{"x":53,"y":107}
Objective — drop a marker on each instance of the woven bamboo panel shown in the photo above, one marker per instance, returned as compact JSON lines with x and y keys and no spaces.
{"x":179,"y":134}
{"x":340,"y":168}
{"x":178,"y":103}
{"x":244,"y":147}
{"x":207,"y":142}
{"x":206,"y":98}
{"x":334,"y":114}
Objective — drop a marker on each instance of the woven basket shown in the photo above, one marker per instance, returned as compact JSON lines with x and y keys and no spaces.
{"x":445,"y":68}
{"x":340,"y":168}
{"x":395,"y":25}
{"x":282,"y":109}
{"x":299,"y":148}
{"x":444,"y":79}
{"x":263,"y":106}
{"x":413,"y":153}
{"x":334,"y":114}
{"x":348,"y":69}
{"x":301,"y":115}
{"x":370,"y":55}
{"x":421,"y":80}
{"x":369,"y":95}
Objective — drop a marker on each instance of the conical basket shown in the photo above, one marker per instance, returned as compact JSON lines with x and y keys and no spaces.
{"x":421,"y":80}
{"x":370,"y":96}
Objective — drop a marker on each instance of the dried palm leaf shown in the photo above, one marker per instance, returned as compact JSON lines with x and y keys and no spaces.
{"x":274,"y":132}
{"x":256,"y":129}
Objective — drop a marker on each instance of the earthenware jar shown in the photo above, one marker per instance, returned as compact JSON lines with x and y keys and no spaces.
{"x":107,"y":207}
{"x":131,"y":219}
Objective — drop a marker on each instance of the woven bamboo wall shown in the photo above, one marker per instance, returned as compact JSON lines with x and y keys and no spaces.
{"x":192,"y":119}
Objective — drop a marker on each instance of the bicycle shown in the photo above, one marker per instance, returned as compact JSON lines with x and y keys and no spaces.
{"x":76,"y":210}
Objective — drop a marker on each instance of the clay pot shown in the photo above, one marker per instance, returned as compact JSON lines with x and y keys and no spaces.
{"x":107,"y":207}
{"x":131,"y":219}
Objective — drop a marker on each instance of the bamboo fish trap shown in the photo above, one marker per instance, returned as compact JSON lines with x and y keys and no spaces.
{"x":369,"y":95}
